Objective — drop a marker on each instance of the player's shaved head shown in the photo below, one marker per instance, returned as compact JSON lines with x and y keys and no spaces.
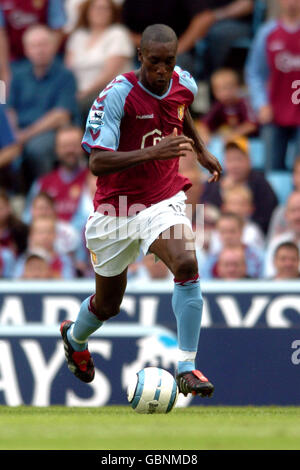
{"x":158,"y":33}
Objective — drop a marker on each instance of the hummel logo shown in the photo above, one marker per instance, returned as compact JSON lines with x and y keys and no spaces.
{"x":145,"y":116}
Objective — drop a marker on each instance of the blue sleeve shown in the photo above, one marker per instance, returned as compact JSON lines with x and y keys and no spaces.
{"x":257,"y":69}
{"x":186,"y":79}
{"x":56,"y":14}
{"x":6,"y":134}
{"x":104,"y":119}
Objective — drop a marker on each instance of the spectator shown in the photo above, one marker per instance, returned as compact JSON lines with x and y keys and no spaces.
{"x":211,"y":216}
{"x":231,"y":20}
{"x":17,"y":16}
{"x":68,"y":241}
{"x":13,"y":232}
{"x":97,"y":50}
{"x":150,"y":269}
{"x":238,"y":171}
{"x":193,"y":194}
{"x":232,"y":264}
{"x":7,"y":263}
{"x":42,"y":98}
{"x":239,"y":200}
{"x":36,"y":266}
{"x":9,"y":152}
{"x":271,"y":73}
{"x":188,"y":18}
{"x":278,"y":223}
{"x":66,"y":183}
{"x":229,"y":230}
{"x":67,"y":238}
{"x":42,"y":236}
{"x":230,"y":116}
{"x":85,"y":204}
{"x":286,"y":261}
{"x":291,"y":235}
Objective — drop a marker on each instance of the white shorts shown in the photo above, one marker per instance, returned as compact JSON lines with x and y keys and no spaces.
{"x":116,"y":242}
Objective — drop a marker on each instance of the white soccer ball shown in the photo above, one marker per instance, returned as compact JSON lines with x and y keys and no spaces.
{"x":152,"y":390}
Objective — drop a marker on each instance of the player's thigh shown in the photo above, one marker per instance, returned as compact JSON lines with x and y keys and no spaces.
{"x":109,"y":294}
{"x":176,"y":248}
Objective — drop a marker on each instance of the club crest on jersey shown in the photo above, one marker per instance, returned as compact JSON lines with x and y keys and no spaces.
{"x":96,"y":118}
{"x":180,"y":112}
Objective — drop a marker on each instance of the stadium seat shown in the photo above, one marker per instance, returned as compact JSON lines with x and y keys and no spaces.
{"x":216,"y":147}
{"x":257,"y":153}
{"x":282,"y":183}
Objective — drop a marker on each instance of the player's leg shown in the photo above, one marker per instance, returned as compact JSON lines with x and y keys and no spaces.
{"x":187,"y":305}
{"x":94,"y":310}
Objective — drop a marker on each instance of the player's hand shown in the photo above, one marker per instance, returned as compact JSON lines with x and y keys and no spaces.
{"x":210,"y":162}
{"x":172,"y":146}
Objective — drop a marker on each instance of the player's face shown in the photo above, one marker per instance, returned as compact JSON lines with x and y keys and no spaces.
{"x":157,"y":64}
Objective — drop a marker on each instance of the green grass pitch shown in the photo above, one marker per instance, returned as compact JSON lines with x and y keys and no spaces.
{"x":119,"y":427}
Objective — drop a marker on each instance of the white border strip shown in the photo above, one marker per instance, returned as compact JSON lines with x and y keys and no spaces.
{"x":115,"y":330}
{"x":154,"y":287}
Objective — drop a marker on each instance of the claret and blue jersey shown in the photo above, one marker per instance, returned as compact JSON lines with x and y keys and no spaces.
{"x":125,"y":117}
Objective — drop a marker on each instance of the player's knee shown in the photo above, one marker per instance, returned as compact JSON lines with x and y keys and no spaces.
{"x":185,"y":266}
{"x":107,"y":311}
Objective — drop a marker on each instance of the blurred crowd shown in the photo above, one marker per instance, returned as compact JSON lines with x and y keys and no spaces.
{"x":55,"y":58}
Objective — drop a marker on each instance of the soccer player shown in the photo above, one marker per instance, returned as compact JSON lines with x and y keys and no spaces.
{"x":137,"y":130}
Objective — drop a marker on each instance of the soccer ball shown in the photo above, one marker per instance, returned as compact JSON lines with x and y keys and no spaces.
{"x":152,"y":390}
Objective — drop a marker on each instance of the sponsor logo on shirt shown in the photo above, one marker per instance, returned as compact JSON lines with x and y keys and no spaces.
{"x":145,"y":116}
{"x":96,"y":117}
{"x":287,"y":62}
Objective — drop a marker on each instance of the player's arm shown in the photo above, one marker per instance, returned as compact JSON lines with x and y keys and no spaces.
{"x":235,"y":9}
{"x":205,"y":158}
{"x":103,"y":162}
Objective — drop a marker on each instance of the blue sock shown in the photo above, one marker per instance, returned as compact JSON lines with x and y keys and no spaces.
{"x":187,"y":305}
{"x":84,"y":326}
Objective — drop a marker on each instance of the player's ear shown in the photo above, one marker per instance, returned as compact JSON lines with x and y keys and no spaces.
{"x":139,"y":54}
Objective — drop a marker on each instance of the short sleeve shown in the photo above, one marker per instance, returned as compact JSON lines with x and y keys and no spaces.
{"x":186,"y":80}
{"x":104,"y":119}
